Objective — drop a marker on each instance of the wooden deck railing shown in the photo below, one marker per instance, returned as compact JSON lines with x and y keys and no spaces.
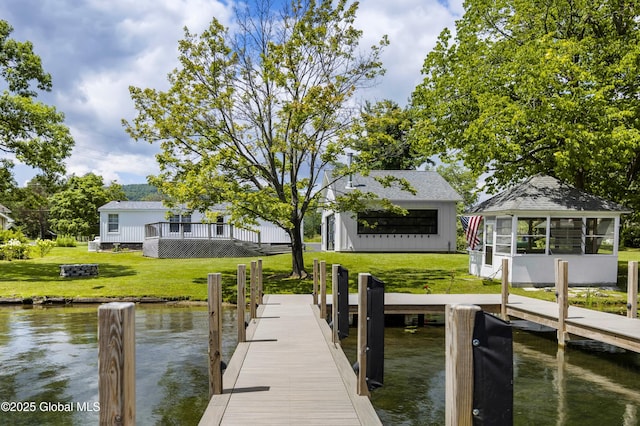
{"x":198,"y":230}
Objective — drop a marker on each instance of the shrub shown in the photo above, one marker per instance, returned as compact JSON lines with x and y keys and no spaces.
{"x":66,"y":241}
{"x":44,"y":246}
{"x":10,"y":234}
{"x":14,"y":249}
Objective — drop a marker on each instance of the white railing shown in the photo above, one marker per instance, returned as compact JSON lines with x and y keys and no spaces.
{"x":198,"y":230}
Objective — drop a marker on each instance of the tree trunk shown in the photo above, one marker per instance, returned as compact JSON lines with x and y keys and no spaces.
{"x":297,"y":251}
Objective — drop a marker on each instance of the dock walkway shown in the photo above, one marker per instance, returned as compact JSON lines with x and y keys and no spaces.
{"x":289,"y":373}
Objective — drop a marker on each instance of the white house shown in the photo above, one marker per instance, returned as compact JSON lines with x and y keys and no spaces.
{"x":540,"y":220}
{"x":5,"y":220}
{"x":130,"y":223}
{"x":429,"y":226}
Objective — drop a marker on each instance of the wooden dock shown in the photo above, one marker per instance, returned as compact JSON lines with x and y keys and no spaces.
{"x":289,"y":373}
{"x":612,"y":329}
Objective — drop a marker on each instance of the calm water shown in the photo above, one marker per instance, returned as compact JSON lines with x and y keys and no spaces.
{"x":597,"y":386}
{"x":50,"y":355}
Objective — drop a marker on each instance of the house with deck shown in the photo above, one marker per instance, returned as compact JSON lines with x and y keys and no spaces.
{"x":429,"y":225}
{"x":540,"y":220}
{"x":179,"y":233}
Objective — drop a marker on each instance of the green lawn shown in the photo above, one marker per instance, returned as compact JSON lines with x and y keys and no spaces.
{"x":129,"y":274}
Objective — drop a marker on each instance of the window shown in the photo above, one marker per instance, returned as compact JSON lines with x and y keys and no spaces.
{"x":531,"y":235}
{"x":503,"y":235}
{"x":174,"y":223}
{"x":177,"y":220}
{"x":112,"y":222}
{"x":384,"y":222}
{"x":599,"y":236}
{"x":565,"y":236}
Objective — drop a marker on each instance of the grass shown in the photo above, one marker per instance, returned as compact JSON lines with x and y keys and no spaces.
{"x":129,"y":274}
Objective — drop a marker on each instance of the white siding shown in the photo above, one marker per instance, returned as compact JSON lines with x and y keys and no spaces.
{"x":348,"y":239}
{"x":131,"y":226}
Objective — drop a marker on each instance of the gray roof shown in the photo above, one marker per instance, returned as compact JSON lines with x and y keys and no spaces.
{"x":429,"y":186}
{"x":148,"y":205}
{"x":134,"y":205}
{"x":546,"y":193}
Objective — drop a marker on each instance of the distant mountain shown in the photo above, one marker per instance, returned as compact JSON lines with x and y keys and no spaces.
{"x":141,"y":192}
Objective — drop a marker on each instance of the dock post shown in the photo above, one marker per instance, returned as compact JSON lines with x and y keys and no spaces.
{"x":241,"y":302}
{"x":315,"y":281}
{"x":117,"y":363}
{"x":334,"y":303}
{"x":323,"y":289}
{"x":214,"y":301}
{"x":361,"y":384}
{"x":459,"y":322}
{"x":562,"y":288}
{"x":260,"y":281}
{"x":632,"y":289}
{"x":253,"y":290}
{"x":505,"y":289}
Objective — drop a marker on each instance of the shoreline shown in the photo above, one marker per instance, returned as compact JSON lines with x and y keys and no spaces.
{"x":51,"y":300}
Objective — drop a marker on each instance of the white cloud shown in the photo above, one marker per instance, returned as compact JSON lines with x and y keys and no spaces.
{"x":96,"y":49}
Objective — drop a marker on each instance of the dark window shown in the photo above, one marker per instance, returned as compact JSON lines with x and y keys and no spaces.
{"x":384,"y":222}
{"x":177,"y":220}
{"x":113,"y":222}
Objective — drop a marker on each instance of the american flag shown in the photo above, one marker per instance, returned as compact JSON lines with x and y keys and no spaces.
{"x":470,"y":226}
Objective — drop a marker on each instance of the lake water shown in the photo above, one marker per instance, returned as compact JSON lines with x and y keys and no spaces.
{"x":49,"y":356}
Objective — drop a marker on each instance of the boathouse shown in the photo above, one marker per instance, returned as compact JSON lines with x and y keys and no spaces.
{"x":429,"y":226}
{"x":540,"y":220}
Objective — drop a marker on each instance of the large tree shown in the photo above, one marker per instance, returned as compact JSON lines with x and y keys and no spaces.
{"x":253,"y":116}
{"x":530,"y":86}
{"x":74,"y":210}
{"x":384,"y":142}
{"x":30,"y":131}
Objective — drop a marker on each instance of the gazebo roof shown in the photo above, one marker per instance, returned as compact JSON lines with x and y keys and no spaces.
{"x":546,"y":193}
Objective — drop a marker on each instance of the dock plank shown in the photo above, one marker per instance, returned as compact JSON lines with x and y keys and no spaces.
{"x":288,"y":374}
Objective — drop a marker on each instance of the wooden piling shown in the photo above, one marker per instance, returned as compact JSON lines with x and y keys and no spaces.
{"x":459,"y":322}
{"x":632,"y":289}
{"x":334,"y":303}
{"x":315,"y":281}
{"x":505,"y":289}
{"x":253,"y":290}
{"x":562,"y":287}
{"x":117,"y":363}
{"x":241,"y":302}
{"x":214,"y":291}
{"x":260,"y":283}
{"x":361,"y":383}
{"x":323,"y":289}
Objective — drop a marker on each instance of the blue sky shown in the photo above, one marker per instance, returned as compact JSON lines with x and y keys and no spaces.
{"x":96,"y":49}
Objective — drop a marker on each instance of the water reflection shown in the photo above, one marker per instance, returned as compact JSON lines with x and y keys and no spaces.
{"x":50,"y":355}
{"x":578,"y":386}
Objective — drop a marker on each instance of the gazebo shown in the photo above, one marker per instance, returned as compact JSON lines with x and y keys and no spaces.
{"x":543,"y":219}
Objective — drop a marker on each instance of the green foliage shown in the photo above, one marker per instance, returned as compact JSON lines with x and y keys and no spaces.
{"x":13,"y":245}
{"x":141,"y":192}
{"x":30,"y":130}
{"x":384,"y":143}
{"x":74,"y":210}
{"x":252,"y":118}
{"x":44,"y":247}
{"x":12,"y":234}
{"x":66,"y":241}
{"x":630,"y":235}
{"x":529,"y":87}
